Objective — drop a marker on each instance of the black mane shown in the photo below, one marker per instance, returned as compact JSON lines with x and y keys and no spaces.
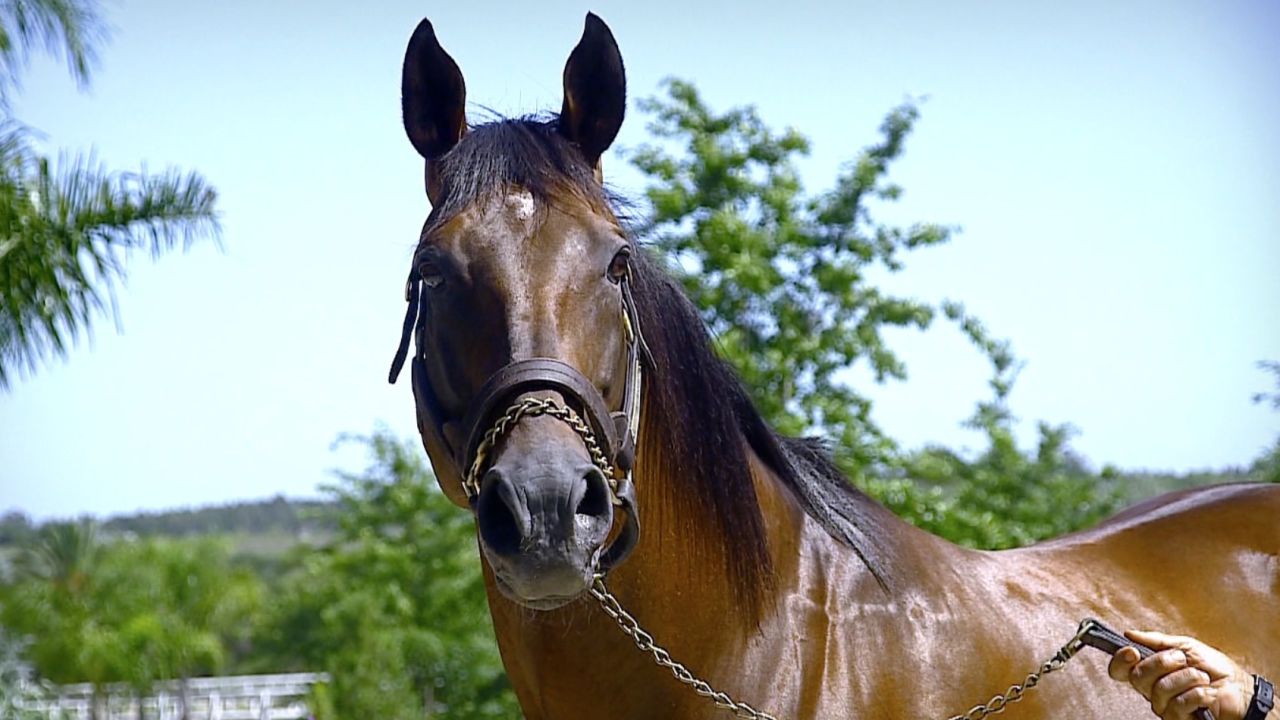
{"x":701,"y":414}
{"x":529,"y":152}
{"x":699,"y":421}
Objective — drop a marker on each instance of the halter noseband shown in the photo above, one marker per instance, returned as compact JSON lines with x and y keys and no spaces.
{"x":610,"y":437}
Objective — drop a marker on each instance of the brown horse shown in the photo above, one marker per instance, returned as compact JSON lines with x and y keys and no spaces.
{"x":759,"y":566}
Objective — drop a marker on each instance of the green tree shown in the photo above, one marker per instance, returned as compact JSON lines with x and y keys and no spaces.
{"x":1267,"y":467}
{"x":783,"y":279}
{"x":68,"y":228}
{"x":1004,"y":497}
{"x":1271,"y":398}
{"x":15,"y":528}
{"x":394,"y":608}
{"x":787,"y":283}
{"x":53,"y":603}
{"x":189,"y":605}
{"x":62,"y":554}
{"x":127,"y":611}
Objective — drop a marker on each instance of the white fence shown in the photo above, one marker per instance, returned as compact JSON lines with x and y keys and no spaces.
{"x":238,"y":697}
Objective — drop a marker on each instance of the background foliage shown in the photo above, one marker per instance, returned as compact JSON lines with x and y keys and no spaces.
{"x":128,"y":611}
{"x":394,"y":607}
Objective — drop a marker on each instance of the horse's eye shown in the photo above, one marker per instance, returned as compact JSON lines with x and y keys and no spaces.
{"x":619,"y":265}
{"x":431,"y":276}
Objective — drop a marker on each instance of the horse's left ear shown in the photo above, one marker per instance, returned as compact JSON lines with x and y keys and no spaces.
{"x":433,"y":96}
{"x":595,"y":91}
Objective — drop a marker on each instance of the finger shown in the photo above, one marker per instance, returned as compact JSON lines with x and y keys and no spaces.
{"x":1148,"y":671}
{"x":1158,"y":640}
{"x":1183,"y":706}
{"x":1198,"y":654}
{"x":1122,"y":663}
{"x":1174,"y":684}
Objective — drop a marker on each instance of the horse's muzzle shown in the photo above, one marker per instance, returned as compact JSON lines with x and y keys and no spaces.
{"x":544,"y":514}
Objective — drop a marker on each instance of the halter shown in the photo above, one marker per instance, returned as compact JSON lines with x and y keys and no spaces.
{"x":609,"y":436}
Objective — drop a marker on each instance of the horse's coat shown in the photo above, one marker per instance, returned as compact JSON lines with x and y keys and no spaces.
{"x":758,"y":566}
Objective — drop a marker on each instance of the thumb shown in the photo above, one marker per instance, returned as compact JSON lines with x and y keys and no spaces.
{"x":1121,"y":665}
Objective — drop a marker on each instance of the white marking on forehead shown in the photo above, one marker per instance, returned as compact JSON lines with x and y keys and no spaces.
{"x":521,"y":202}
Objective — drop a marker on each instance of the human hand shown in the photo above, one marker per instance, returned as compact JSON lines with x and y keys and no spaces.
{"x":1182,"y":676}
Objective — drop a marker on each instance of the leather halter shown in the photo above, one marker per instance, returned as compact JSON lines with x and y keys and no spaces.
{"x":614,"y":433}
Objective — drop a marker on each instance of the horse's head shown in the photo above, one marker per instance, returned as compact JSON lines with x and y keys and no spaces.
{"x":527,"y":364}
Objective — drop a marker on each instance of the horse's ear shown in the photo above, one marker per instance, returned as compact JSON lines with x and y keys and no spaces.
{"x":595,"y":91}
{"x":432,"y":95}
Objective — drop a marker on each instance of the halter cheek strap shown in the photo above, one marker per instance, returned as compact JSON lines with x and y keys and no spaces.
{"x":412,"y":292}
{"x":429,"y":411}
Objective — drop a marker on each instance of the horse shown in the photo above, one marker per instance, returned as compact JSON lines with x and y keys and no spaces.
{"x":564,"y":384}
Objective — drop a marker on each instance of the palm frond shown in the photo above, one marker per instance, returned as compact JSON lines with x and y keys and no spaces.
{"x":73,"y":29}
{"x":63,"y":553}
{"x":66,"y":232}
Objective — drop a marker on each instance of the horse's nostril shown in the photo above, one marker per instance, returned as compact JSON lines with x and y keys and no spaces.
{"x":496,"y":514}
{"x":595,"y":501}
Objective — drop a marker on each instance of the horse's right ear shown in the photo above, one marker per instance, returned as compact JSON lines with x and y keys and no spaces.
{"x":432,"y":95}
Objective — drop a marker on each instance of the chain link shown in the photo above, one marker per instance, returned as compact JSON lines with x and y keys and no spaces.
{"x":646,"y":643}
{"x":533,"y":407}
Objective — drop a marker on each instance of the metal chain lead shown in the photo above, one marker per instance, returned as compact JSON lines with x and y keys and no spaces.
{"x":1000,"y":702}
{"x":533,"y":407}
{"x":643,"y":640}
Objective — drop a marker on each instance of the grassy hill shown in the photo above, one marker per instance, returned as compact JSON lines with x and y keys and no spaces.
{"x":260,"y":532}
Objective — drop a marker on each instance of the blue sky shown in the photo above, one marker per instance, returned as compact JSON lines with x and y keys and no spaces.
{"x":1114,"y":167}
